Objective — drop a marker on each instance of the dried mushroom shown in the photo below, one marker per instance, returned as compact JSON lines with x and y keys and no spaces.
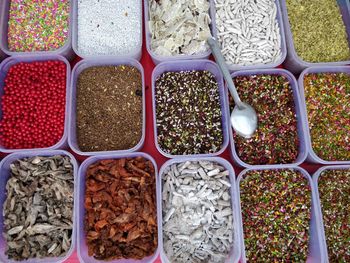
{"x":120,"y":209}
{"x":38,"y":210}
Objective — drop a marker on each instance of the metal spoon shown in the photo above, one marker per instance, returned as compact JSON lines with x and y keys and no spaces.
{"x":243,"y":117}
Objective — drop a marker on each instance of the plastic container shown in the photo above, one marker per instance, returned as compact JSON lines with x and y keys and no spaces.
{"x":299,"y":113}
{"x":182,"y":65}
{"x":257,"y":66}
{"x":312,"y":157}
{"x":66,"y":50}
{"x":4,"y":67}
{"x":136,"y":54}
{"x":82,"y":247}
{"x":316,"y":249}
{"x":315,"y":179}
{"x":235,"y":252}
{"x":157,"y":58}
{"x":293,"y":62}
{"x":78,"y":68}
{"x":5,"y":174}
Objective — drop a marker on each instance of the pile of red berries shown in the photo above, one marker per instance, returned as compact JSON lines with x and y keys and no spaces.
{"x":33,"y":105}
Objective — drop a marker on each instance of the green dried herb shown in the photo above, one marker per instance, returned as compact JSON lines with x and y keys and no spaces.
{"x":318,"y":29}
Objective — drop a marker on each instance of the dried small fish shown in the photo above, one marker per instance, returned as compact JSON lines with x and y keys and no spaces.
{"x":120,"y":209}
{"x":38,"y":210}
{"x":197,"y":216}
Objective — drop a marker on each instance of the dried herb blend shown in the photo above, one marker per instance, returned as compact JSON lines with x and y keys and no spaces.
{"x":38,"y":25}
{"x":197,"y":212}
{"x":121,"y":213}
{"x":33,"y":105}
{"x":327,"y":97}
{"x":109,"y":108}
{"x":334,"y":190}
{"x":276,"y":139}
{"x":319,"y":32}
{"x":276,"y":211}
{"x":38,"y":210}
{"x":188,"y":112}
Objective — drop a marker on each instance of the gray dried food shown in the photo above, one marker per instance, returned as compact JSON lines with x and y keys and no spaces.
{"x":179,"y":26}
{"x":38,"y":210}
{"x":197,"y":212}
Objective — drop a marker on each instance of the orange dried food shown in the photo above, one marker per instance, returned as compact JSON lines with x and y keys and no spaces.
{"x":120,"y":209}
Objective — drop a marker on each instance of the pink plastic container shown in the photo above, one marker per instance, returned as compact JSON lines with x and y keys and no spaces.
{"x":315,"y":179}
{"x":235,"y":252}
{"x":136,"y":54}
{"x":316,"y":250}
{"x":82,"y":247}
{"x":312,"y":156}
{"x":158,"y":59}
{"x":183,"y":65}
{"x":10,"y":61}
{"x":257,"y":66}
{"x":66,"y":50}
{"x":299,"y":113}
{"x":5,"y":174}
{"x":293,"y":62}
{"x":78,"y":68}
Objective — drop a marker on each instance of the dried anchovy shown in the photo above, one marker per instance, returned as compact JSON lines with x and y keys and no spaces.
{"x":121,"y":213}
{"x":38,"y":210}
{"x":197,"y":212}
{"x":276,"y":211}
{"x":188,"y":113}
{"x":334,"y":189}
{"x":327,"y":97}
{"x":276,"y":139}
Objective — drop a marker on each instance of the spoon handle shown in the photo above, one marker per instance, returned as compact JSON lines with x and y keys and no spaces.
{"x":222,"y":65}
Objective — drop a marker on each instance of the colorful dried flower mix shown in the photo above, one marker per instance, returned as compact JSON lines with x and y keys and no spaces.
{"x":38,"y":210}
{"x":334,"y":192}
{"x":197,"y":212}
{"x":327,"y":97}
{"x":188,"y":112}
{"x":120,"y":209}
{"x":38,"y":25}
{"x":276,"y":211}
{"x":276,"y":139}
{"x":318,"y":29}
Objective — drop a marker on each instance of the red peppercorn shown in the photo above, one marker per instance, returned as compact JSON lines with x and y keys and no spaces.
{"x":33,"y":105}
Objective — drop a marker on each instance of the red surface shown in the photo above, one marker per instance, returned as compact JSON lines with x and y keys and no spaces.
{"x":149,"y":146}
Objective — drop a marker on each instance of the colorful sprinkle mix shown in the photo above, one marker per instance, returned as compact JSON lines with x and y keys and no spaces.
{"x":334,"y":189}
{"x":37,"y":25}
{"x":319,"y":32}
{"x":276,"y":139}
{"x":188,"y":112}
{"x":276,"y":211}
{"x":327,"y":98}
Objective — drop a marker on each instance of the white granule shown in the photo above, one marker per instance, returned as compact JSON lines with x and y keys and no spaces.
{"x":109,"y":27}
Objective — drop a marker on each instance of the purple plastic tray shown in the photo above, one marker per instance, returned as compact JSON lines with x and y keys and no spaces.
{"x":312,"y":157}
{"x":78,"y":68}
{"x":293,"y":62}
{"x":136,"y":54}
{"x":299,"y":113}
{"x":66,"y":50}
{"x":257,"y":66}
{"x":315,"y":179}
{"x":5,"y":174}
{"x":82,"y":247}
{"x":182,"y":65}
{"x":235,"y":252}
{"x":4,"y":67}
{"x":157,"y":58}
{"x":316,"y":250}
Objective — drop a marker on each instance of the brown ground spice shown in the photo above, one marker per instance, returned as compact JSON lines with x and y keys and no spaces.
{"x":109,"y":108}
